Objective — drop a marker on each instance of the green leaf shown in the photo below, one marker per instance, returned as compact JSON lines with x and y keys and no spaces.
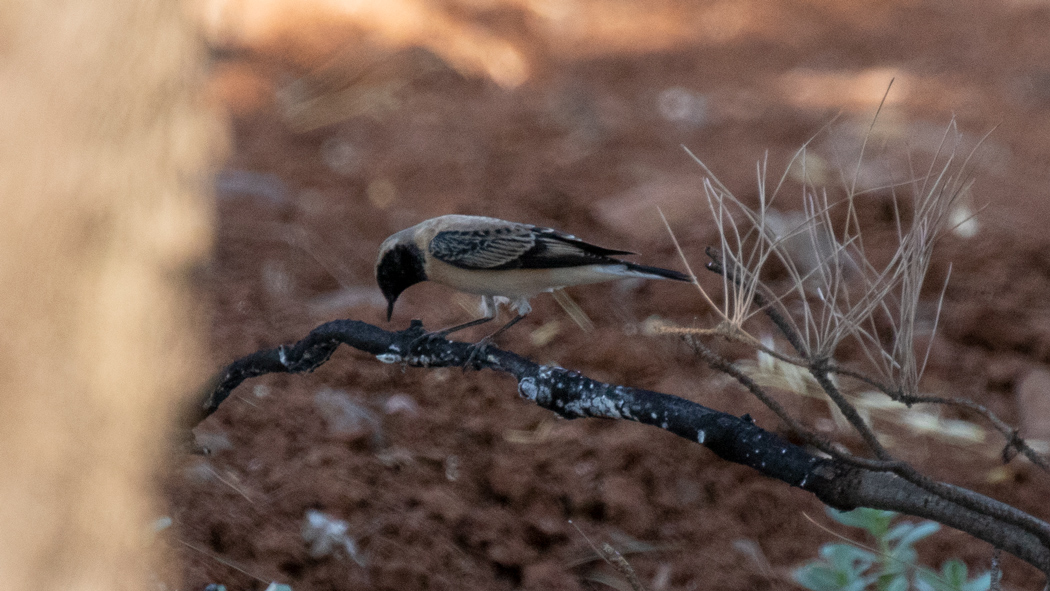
{"x":897,"y":583}
{"x":899,"y":531}
{"x":846,"y":558}
{"x":876,"y":522}
{"x":900,"y":558}
{"x":952,"y":578}
{"x":859,"y":584}
{"x":921,"y":530}
{"x":817,"y":577}
{"x":954,"y":573}
{"x":846,"y":567}
{"x":925,"y":581}
{"x":982,"y":582}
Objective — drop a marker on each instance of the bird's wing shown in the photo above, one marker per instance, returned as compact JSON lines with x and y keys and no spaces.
{"x":482,"y":248}
{"x":516,"y":246}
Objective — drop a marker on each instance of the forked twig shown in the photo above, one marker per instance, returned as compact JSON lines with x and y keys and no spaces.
{"x":819,"y":368}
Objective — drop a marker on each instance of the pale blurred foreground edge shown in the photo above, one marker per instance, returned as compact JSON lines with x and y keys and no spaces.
{"x":105,"y":210}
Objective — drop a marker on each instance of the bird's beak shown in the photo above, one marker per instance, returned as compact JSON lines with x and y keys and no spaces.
{"x":389,"y":309}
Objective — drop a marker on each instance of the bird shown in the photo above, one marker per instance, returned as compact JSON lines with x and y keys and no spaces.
{"x":498,"y":260}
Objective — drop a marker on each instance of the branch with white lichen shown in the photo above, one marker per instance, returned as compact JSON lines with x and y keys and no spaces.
{"x":571,"y":395}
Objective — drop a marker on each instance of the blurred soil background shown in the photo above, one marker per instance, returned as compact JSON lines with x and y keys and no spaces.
{"x":353,"y":120}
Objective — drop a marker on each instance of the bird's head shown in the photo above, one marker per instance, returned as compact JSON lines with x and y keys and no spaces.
{"x":399,"y":266}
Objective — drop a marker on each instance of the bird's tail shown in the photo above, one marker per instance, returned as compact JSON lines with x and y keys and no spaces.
{"x":655,"y":272}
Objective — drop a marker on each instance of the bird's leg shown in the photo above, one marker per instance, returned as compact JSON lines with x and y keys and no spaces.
{"x":488,"y":308}
{"x":520,"y":305}
{"x":479,"y":347}
{"x":447,"y":331}
{"x":440,"y":334}
{"x":513,"y":321}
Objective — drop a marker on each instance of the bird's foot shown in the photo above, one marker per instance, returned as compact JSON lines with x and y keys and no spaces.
{"x":477,"y":354}
{"x":476,"y":350}
{"x":424,"y":338}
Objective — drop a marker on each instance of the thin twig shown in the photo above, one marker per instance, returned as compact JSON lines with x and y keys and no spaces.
{"x":816,"y":367}
{"x":613,"y":557}
{"x":819,"y":370}
{"x":721,"y":364}
{"x":223,"y":561}
{"x":1013,"y":439}
{"x":850,"y":412}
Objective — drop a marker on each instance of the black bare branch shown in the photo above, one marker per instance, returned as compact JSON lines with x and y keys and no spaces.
{"x":571,"y":395}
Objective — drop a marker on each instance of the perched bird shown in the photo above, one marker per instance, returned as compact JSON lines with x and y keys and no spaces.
{"x":494,"y":258}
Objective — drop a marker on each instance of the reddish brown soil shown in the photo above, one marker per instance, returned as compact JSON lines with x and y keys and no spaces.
{"x":451,"y":481}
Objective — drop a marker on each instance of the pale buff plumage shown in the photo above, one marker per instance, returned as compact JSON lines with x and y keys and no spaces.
{"x":495,"y":258}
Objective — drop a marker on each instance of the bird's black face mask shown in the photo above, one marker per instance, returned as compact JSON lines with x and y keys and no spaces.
{"x":398,"y":270}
